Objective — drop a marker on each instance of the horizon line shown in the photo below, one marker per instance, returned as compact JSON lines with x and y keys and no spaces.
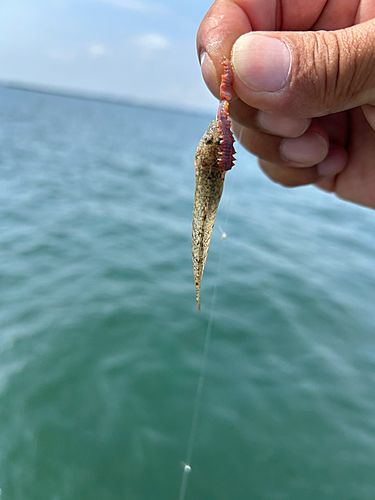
{"x":96,"y":96}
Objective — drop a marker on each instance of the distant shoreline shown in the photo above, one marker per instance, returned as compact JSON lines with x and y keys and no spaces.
{"x":98,"y":97}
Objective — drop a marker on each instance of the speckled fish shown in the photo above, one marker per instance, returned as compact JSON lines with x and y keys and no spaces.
{"x":213,"y":158}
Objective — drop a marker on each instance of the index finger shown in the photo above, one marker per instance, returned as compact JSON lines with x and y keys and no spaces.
{"x":222,"y":25}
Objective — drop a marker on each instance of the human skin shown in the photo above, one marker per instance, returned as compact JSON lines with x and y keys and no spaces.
{"x":304,"y":107}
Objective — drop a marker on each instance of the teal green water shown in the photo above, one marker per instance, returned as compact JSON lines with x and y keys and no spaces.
{"x":100,"y":342}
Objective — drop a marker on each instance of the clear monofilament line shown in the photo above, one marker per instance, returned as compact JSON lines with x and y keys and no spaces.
{"x":198,"y":393}
{"x":204,"y":357}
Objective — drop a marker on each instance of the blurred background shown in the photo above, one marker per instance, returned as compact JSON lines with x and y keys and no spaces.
{"x":101,"y":108}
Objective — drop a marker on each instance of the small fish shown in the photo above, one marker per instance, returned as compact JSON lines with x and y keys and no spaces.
{"x":213,"y":158}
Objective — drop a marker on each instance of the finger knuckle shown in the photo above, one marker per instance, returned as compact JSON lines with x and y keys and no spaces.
{"x":316,"y":61}
{"x":338,"y":73}
{"x":326,"y":69}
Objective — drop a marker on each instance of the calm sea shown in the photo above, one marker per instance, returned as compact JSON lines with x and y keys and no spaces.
{"x":100,"y":342}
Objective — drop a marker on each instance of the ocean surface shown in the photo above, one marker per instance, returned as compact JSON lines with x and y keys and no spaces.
{"x":101,"y":344}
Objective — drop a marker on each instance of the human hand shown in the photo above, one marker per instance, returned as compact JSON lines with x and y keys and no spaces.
{"x":305,"y":102}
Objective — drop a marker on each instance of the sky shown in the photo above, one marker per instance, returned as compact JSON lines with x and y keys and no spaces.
{"x":138,"y":49}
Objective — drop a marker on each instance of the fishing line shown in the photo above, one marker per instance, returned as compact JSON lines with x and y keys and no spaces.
{"x":203,"y":367}
{"x":199,"y":390}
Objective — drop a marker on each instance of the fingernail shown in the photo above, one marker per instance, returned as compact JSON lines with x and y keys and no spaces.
{"x":208,"y":72}
{"x":309,"y":149}
{"x":284,"y":126}
{"x":261,"y":62}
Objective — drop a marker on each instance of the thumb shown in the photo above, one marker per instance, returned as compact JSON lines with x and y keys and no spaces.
{"x":306,"y":74}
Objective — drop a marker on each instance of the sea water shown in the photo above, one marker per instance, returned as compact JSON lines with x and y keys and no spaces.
{"x":100,"y":341}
